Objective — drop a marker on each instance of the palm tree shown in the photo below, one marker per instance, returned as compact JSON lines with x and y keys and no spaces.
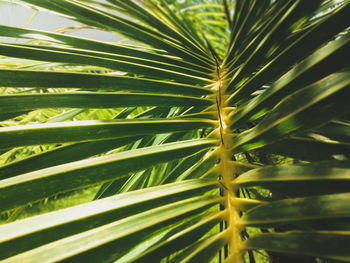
{"x":219,"y":132}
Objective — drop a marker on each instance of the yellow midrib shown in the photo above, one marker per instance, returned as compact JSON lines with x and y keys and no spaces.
{"x":227,"y":172}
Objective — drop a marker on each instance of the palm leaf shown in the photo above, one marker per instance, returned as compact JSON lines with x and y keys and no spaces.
{"x":216,"y":122}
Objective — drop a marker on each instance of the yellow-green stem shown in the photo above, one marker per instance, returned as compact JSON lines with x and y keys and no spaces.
{"x":227,"y":172}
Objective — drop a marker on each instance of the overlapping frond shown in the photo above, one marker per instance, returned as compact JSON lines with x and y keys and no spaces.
{"x":221,"y":129}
